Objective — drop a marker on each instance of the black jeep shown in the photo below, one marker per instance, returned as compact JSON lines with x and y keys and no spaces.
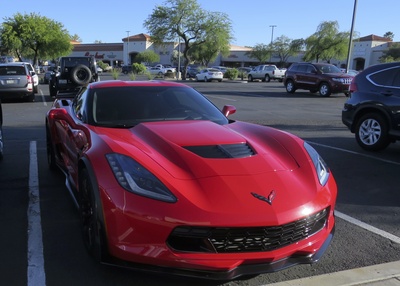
{"x":72,"y":74}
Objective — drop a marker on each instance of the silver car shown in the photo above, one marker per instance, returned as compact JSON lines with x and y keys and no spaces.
{"x":16,"y":81}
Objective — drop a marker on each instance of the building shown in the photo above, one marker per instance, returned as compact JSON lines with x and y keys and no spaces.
{"x":366,"y":51}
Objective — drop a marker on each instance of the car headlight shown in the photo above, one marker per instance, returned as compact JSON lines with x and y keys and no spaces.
{"x":320,"y":166}
{"x":338,"y":79}
{"x":134,"y":178}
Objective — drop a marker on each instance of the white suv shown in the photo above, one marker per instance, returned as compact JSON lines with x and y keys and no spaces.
{"x":34,"y":76}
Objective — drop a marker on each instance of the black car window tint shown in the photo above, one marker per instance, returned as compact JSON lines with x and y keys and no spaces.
{"x":310,"y":69}
{"x":13,"y":70}
{"x":302,"y":68}
{"x":384,"y":78}
{"x":396,"y":78}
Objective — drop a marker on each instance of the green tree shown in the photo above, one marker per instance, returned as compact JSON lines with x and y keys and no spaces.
{"x":392,"y":54}
{"x":389,"y":35}
{"x":327,"y":43}
{"x":188,"y":21}
{"x":147,"y":57}
{"x":34,"y":37}
{"x":283,"y":48}
{"x":260,"y":52}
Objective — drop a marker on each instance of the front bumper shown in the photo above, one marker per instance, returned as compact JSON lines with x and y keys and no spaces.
{"x":241,"y":270}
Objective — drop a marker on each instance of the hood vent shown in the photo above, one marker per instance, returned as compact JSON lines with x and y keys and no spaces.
{"x":224,"y":151}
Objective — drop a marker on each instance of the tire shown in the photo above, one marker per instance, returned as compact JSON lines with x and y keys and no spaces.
{"x":31,"y":97}
{"x":372,"y":132}
{"x":1,"y":143}
{"x":324,"y":90}
{"x":81,"y":75}
{"x":249,"y":77}
{"x":267,"y":78}
{"x":91,"y":226}
{"x":53,"y":90}
{"x":290,"y":87}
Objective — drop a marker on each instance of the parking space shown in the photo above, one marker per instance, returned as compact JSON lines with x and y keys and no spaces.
{"x":368,"y":204}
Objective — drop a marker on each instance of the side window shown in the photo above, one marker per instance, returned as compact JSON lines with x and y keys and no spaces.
{"x":385,"y":77}
{"x":310,"y":69}
{"x":396,"y":79}
{"x":302,"y":68}
{"x":293,"y":67}
{"x":79,"y":104}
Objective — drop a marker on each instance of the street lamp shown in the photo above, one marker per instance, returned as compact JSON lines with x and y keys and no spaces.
{"x":272,"y":37}
{"x":351,"y":36}
{"x":127,"y":49}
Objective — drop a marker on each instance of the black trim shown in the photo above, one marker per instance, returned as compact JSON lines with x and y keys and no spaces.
{"x":242,"y":270}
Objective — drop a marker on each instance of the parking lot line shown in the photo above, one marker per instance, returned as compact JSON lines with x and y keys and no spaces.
{"x":35,"y":272}
{"x":368,"y":227}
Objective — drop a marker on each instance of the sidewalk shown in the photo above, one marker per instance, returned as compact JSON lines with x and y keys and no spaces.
{"x":387,"y":274}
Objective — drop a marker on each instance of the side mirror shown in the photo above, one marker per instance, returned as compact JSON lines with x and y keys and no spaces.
{"x":228,"y":110}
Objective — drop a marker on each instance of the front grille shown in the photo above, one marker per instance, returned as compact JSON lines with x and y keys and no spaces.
{"x":245,"y":239}
{"x":347,"y":80}
{"x":240,"y":150}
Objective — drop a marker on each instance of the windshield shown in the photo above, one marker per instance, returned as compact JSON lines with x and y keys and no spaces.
{"x":329,"y":69}
{"x":128,"y":106}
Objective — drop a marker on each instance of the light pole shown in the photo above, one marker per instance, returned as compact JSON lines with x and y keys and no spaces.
{"x":351,"y":36}
{"x":272,"y":37}
{"x":127,"y":50}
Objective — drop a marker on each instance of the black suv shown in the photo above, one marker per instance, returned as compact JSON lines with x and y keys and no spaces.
{"x":1,"y":131}
{"x":372,"y":109}
{"x":317,"y":77}
{"x":72,"y":74}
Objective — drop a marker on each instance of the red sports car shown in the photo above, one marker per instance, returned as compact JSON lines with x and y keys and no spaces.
{"x":165,"y":182}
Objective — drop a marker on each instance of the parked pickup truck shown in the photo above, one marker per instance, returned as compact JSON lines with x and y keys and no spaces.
{"x":165,"y":69}
{"x":266,"y":73}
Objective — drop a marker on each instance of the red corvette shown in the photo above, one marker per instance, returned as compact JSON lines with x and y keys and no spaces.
{"x":165,"y":182}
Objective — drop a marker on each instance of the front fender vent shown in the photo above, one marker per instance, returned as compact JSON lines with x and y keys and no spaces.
{"x":241,"y":150}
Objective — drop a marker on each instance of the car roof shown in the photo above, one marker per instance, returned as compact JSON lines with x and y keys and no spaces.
{"x":14,"y":64}
{"x":121,"y":83}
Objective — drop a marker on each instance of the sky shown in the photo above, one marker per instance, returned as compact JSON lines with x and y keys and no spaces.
{"x":109,"y":21}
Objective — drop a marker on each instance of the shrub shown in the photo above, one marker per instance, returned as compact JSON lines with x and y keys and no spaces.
{"x":115,"y":73}
{"x":138,"y":68}
{"x":231,"y":74}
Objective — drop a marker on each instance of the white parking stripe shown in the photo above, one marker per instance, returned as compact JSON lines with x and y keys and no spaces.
{"x":368,"y":227}
{"x":356,"y":221}
{"x":35,"y":273}
{"x":356,"y":153}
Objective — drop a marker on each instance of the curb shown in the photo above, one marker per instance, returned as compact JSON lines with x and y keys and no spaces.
{"x":380,"y":274}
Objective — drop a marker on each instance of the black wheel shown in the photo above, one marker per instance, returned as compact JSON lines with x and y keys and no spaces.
{"x":372,"y":132}
{"x":81,"y":75}
{"x":249,"y":78}
{"x":31,"y":97}
{"x":324,"y":89}
{"x":267,"y":78}
{"x":51,"y":155}
{"x":1,"y":143}
{"x":53,"y":90}
{"x":90,"y":214}
{"x":290,"y":88}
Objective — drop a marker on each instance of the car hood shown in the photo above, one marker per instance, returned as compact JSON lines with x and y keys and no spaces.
{"x":246,"y":178}
{"x":200,"y":149}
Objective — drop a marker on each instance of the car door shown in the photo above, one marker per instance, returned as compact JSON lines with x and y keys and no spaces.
{"x":387,"y":82}
{"x":73,"y":137}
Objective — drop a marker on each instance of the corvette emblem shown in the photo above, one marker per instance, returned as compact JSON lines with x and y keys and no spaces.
{"x":268,"y":199}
